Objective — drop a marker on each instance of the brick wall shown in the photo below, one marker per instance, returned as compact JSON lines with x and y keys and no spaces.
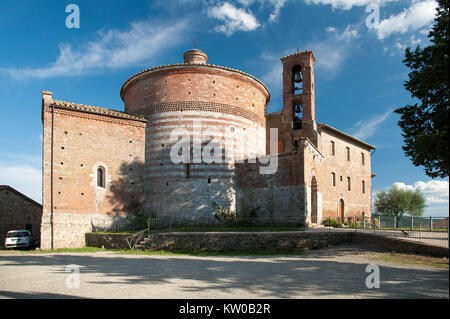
{"x":175,"y":88}
{"x":209,"y":103}
{"x":355,"y":201}
{"x":82,"y":142}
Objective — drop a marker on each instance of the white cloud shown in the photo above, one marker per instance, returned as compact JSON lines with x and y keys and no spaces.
{"x":111,"y":49}
{"x":434,"y":191}
{"x":348,"y":34}
{"x":276,"y":4}
{"x":348,"y":4}
{"x":25,"y":178}
{"x":331,"y":52}
{"x":234,"y":19}
{"x":420,"y":14}
{"x":365,"y":129}
{"x":273,"y":78}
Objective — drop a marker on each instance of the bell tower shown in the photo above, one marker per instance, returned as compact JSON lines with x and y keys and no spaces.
{"x":298,"y":100}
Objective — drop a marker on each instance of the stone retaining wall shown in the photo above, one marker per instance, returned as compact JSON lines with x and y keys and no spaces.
{"x":241,"y":241}
{"x":109,"y":241}
{"x":224,"y":241}
{"x":399,"y":245}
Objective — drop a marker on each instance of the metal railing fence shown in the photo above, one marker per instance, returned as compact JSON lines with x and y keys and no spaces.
{"x":428,"y":230}
{"x":199,"y":224}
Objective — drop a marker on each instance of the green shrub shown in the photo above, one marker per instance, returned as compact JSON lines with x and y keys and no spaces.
{"x":375,"y":222}
{"x":223,"y":213}
{"x":330,"y":222}
{"x":139,"y":221}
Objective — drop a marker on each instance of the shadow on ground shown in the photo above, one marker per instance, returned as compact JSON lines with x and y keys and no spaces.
{"x":321,"y":273}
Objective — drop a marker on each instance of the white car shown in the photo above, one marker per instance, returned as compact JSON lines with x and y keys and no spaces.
{"x":18,"y":238}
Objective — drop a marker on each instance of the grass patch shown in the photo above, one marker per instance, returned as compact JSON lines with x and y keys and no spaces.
{"x":157,"y":253}
{"x":25,"y":251}
{"x":131,"y":232}
{"x":214,"y":253}
{"x":405,"y":259}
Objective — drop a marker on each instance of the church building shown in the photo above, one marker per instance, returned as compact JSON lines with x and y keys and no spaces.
{"x":192,"y":136}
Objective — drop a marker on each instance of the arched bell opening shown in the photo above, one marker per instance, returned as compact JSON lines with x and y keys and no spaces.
{"x":297,"y":79}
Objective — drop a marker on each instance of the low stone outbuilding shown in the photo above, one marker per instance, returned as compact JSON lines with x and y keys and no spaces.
{"x":18,"y":211}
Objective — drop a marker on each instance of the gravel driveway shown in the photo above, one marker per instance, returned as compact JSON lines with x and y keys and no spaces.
{"x":337,"y":272}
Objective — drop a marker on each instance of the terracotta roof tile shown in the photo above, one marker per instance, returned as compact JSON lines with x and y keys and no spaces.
{"x":97,"y":110}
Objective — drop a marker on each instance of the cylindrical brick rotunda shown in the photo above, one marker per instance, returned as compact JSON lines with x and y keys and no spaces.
{"x":218,"y":112}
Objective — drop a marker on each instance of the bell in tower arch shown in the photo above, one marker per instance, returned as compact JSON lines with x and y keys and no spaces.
{"x":298,"y":74}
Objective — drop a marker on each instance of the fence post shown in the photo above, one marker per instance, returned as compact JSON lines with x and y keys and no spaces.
{"x":364,"y":223}
{"x":169,"y":225}
{"x":395,"y":226}
{"x":379,"y":223}
{"x":431,"y":223}
{"x":374,"y":225}
{"x":329,"y":223}
{"x":420,"y":231}
{"x":412,"y":222}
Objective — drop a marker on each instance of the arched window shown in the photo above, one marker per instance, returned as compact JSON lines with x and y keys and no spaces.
{"x":298,"y":79}
{"x":101,"y":177}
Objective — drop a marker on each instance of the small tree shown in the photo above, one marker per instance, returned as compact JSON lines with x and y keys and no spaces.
{"x":397,"y":202}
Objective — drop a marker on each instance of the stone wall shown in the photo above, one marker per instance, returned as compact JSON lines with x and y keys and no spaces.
{"x":69,"y":229}
{"x":226,"y":241}
{"x":400,"y":245}
{"x":107,"y":241}
{"x":280,"y":195}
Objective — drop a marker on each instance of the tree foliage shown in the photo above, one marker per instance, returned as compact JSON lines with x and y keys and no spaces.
{"x":396,"y":202}
{"x":425,"y":124}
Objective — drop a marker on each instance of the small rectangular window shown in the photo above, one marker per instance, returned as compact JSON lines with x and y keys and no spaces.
{"x":188,"y":171}
{"x":332,"y":148}
{"x":348,"y":153}
{"x":362,"y":158}
{"x":363,"y":187}
{"x":333,"y":178}
{"x":349,"y":185}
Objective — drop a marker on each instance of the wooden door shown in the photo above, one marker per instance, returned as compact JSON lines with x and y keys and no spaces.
{"x":341,"y":211}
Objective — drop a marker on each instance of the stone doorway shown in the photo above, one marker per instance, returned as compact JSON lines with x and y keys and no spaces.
{"x":314,"y":200}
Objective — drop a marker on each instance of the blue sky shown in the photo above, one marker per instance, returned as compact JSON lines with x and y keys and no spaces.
{"x":359,"y":73}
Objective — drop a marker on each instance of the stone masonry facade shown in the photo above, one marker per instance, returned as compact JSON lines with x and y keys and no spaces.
{"x":19,"y":212}
{"x":102,"y":165}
